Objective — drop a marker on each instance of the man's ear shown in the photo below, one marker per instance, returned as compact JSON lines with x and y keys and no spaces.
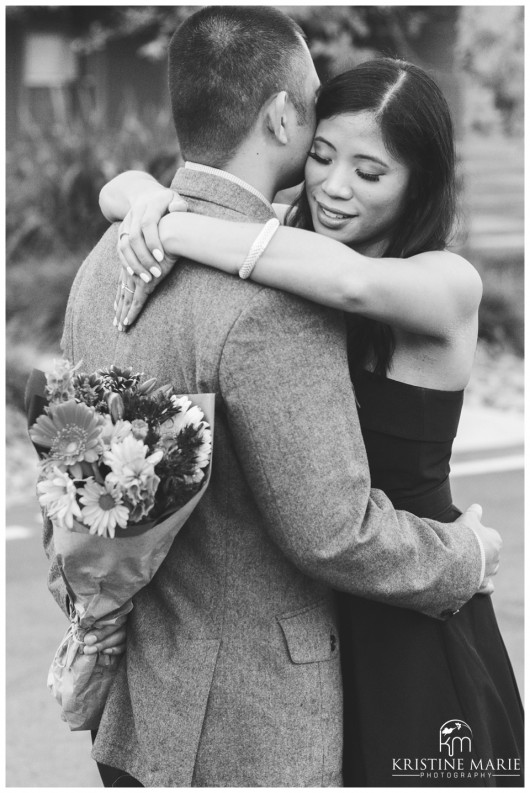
{"x":276,"y":117}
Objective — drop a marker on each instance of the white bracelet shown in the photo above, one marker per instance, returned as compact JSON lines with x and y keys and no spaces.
{"x":258,"y":247}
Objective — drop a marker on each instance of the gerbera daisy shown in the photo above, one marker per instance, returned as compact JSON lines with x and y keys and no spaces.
{"x":57,"y":495}
{"x":71,"y":431}
{"x":103,"y":508}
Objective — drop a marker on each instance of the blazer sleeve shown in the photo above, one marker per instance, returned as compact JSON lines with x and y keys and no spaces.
{"x":285,"y":382}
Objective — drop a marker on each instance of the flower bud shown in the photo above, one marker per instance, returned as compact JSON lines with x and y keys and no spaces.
{"x":165,"y":390}
{"x":147,"y":387}
{"x":115,"y":403}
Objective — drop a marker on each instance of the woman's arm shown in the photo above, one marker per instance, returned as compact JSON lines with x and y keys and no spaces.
{"x":431,"y":293}
{"x":118,"y":196}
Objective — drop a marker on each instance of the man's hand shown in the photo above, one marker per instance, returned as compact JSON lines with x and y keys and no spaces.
{"x":108,"y":640}
{"x":491,"y":541}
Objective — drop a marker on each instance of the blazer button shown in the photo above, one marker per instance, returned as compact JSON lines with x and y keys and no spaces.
{"x":332,"y":642}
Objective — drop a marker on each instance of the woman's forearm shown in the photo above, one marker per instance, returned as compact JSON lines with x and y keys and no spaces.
{"x":430,"y":293}
{"x":117,"y":196}
{"x":297,"y":261}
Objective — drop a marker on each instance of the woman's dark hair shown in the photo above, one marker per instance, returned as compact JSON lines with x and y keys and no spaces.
{"x":417,"y":130}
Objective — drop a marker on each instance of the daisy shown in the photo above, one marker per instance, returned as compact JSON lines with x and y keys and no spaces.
{"x":71,"y":431}
{"x":58,"y":497}
{"x":103,"y":508}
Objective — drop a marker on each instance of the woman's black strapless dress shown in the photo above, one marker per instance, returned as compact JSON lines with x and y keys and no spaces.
{"x":427,"y":703}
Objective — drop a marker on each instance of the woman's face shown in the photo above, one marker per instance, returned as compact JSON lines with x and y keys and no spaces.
{"x":356,"y":189}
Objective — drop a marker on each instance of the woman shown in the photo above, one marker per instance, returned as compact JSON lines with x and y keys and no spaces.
{"x":380,"y":193}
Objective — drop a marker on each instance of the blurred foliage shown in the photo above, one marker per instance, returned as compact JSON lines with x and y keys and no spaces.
{"x":501,"y":315}
{"x":490,"y":50}
{"x":339,"y":36}
{"x":54,"y":175}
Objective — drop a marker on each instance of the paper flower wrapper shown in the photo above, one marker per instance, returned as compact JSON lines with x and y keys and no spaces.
{"x":101,"y":576}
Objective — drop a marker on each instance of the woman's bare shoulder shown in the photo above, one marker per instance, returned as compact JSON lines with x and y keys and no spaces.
{"x":459,"y":274}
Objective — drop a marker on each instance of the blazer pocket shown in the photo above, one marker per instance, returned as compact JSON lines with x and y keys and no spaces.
{"x":311,"y":634}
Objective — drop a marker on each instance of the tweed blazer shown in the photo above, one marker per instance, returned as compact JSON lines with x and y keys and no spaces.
{"x":232,"y":674}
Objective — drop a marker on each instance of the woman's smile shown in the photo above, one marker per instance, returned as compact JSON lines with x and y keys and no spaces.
{"x":331,"y":217}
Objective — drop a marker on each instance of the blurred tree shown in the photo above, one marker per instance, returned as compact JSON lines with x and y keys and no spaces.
{"x":339,"y":36}
{"x":491,"y":51}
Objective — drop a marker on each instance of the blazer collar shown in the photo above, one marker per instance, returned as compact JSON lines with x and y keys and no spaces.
{"x":216,"y":192}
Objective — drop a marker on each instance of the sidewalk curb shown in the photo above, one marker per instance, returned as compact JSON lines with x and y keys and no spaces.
{"x":487,"y":431}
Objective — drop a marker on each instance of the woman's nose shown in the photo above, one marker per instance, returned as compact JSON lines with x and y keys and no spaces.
{"x":337,"y":186}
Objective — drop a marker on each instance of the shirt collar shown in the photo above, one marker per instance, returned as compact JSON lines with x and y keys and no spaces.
{"x":195,"y":166}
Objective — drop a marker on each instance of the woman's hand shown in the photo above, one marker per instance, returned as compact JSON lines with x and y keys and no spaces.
{"x":144,"y":262}
{"x":139,"y":246}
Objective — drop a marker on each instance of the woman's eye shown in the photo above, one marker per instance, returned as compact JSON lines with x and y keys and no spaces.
{"x":369,"y":177}
{"x":315,"y":156}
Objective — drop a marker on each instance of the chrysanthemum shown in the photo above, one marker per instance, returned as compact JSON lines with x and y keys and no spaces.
{"x":116,"y":433}
{"x":57,"y":495}
{"x":103,"y":508}
{"x":189,"y":416}
{"x":204,"y":451}
{"x":88,"y":388}
{"x":59,"y":381}
{"x":71,"y":431}
{"x":132,"y":470}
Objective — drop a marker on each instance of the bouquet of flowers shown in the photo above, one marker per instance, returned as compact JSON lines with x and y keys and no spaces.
{"x":123,"y":465}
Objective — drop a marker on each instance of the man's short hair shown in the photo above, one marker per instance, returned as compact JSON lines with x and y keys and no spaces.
{"x":225,"y":62}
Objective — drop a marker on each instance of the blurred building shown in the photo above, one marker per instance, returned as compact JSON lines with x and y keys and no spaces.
{"x":49,"y":76}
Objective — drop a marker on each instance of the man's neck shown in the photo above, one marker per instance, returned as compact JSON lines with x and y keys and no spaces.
{"x":251,"y":165}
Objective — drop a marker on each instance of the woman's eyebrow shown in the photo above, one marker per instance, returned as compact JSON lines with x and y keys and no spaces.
{"x":373,"y":159}
{"x":320,"y":139}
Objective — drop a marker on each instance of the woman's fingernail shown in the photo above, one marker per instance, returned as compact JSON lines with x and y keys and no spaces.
{"x":90,"y":650}
{"x":120,"y":327}
{"x":90,"y":639}
{"x":115,"y":306}
{"x":159,"y":256}
{"x":156,"y":271}
{"x":145,"y":278}
{"x":130,"y":270}
{"x":114,"y":321}
{"x":126,"y":321}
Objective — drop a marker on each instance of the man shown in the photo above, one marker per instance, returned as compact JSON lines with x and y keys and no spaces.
{"x":232,"y":671}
